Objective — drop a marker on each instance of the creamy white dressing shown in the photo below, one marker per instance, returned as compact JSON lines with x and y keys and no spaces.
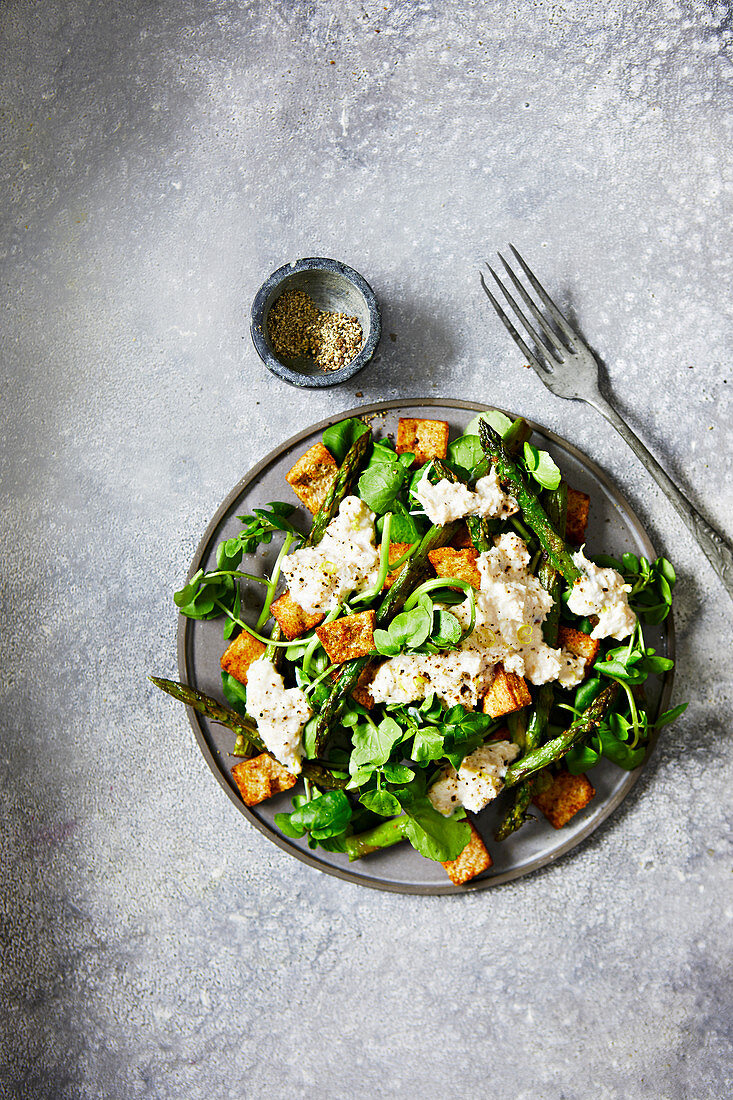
{"x":344,"y":561}
{"x":511,"y":606}
{"x":280,"y":713}
{"x":447,"y":501}
{"x":602,"y":592}
{"x":478,"y":780}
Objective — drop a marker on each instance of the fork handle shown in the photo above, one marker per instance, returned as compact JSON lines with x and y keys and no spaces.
{"x":718,"y":552}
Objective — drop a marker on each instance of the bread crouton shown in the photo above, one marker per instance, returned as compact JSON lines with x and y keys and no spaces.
{"x":473,"y":860}
{"x":261,"y":777}
{"x":577,"y":519}
{"x":237,"y":658}
{"x":312,"y":476}
{"x":462,"y":539}
{"x":396,"y":550}
{"x":508,"y":692}
{"x":579,"y":644}
{"x":566,"y":795}
{"x":426,"y":439}
{"x":291,"y":618}
{"x":448,"y":562}
{"x":352,"y":636}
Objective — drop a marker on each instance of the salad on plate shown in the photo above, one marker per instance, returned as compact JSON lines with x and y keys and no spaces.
{"x":439,"y":639}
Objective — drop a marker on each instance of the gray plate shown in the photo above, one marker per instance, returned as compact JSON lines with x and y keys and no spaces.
{"x":613,"y":528}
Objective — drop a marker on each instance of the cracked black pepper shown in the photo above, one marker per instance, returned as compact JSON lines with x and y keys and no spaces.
{"x":299,"y":330}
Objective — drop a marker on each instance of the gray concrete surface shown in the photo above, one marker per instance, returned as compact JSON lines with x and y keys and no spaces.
{"x":157,"y":162}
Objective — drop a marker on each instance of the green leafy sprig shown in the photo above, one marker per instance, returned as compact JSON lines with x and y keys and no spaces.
{"x":651,"y":583}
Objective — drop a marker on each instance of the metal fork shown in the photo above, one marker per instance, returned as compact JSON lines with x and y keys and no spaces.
{"x":569,"y":369}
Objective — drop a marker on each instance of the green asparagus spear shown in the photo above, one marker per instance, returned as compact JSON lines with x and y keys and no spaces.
{"x":383,"y":835}
{"x":581,"y":729}
{"x":243,"y":727}
{"x":557,"y":507}
{"x":412,"y":575}
{"x":343,"y":482}
{"x":348,"y":472}
{"x":554,"y":546}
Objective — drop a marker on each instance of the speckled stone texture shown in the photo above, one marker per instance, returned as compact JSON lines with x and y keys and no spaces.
{"x":158,"y":160}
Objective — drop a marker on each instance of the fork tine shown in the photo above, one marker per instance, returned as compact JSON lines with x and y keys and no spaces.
{"x":534,"y":361}
{"x":566,"y":329}
{"x":549,"y":332}
{"x":549,"y":353}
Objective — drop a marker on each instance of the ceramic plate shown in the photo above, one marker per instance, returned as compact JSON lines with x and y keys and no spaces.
{"x":613,"y":529}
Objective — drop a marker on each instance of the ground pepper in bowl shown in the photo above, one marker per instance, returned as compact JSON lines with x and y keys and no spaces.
{"x":298,"y":329}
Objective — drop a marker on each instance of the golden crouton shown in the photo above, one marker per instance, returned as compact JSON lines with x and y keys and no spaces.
{"x":291,"y":617}
{"x":396,"y":550}
{"x":508,"y":692}
{"x":462,"y":538}
{"x":239,"y":656}
{"x":577,"y":520}
{"x":579,"y":644}
{"x":425,"y":439}
{"x":360,"y":693}
{"x":566,"y":795}
{"x":448,"y":562}
{"x":472,"y":861}
{"x":352,"y":636}
{"x":261,"y":777}
{"x":313,"y":475}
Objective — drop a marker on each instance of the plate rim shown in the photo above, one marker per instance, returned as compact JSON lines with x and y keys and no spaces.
{"x":186,"y":626}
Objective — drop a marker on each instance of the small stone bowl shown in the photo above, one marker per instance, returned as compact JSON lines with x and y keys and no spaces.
{"x":334,"y":287}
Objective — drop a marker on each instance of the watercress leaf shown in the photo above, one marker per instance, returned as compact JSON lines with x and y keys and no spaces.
{"x":281,"y":508}
{"x":619,"y":671}
{"x":580,"y":758}
{"x":621,"y":754}
{"x":670,"y":715}
{"x":658,"y":664}
{"x":184,"y":595}
{"x":286,"y":825}
{"x":466,"y":452}
{"x":664,"y":589}
{"x":236,"y":693}
{"x":434,"y":836}
{"x":333,"y":844}
{"x":397,"y":773}
{"x":587,"y":692}
{"x":428,"y":745}
{"x":542,"y":467}
{"x":310,"y":730}
{"x":457,"y":754}
{"x":324,"y":816}
{"x":339,"y":438}
{"x":656,"y":614}
{"x":381,"y":802}
{"x":630,"y":563}
{"x":404,"y":528}
{"x":230,"y":626}
{"x":373,"y":744}
{"x":666,"y":570}
{"x":383,"y":644}
{"x":447,"y":630}
{"x":498,"y":421}
{"x":381,"y":482}
{"x":359,"y":777}
{"x":410,"y":628}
